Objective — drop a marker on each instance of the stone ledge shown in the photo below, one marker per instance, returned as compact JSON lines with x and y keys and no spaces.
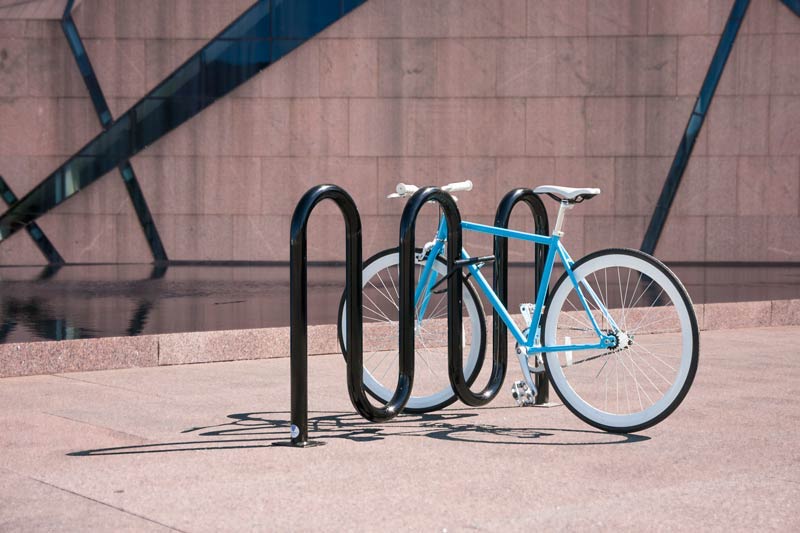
{"x":52,"y":357}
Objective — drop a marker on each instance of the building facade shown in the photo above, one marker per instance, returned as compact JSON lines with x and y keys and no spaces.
{"x":506,"y":93}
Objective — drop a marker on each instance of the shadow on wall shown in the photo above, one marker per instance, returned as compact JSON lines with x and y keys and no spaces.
{"x":263,"y":429}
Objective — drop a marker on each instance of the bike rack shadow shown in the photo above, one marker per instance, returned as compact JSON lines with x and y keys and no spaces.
{"x":266,"y":429}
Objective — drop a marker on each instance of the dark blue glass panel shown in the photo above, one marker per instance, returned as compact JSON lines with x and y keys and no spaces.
{"x":242,"y":50}
{"x":302,"y":20}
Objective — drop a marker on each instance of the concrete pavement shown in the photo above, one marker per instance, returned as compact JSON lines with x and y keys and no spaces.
{"x":188,"y":448}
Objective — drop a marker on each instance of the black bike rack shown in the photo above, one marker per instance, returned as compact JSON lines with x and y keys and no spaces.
{"x":458,"y":381}
{"x":298,"y":282}
{"x":298,"y":288}
{"x":500,"y":281}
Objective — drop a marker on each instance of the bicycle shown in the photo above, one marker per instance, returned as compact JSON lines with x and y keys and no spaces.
{"x":616,"y":334}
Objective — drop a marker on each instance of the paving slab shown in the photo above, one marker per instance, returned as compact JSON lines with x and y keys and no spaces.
{"x":189,"y":447}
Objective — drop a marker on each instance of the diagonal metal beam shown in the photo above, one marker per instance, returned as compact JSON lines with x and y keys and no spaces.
{"x":104,"y":115}
{"x":696,"y":120}
{"x":264,"y":33}
{"x":39,"y":238}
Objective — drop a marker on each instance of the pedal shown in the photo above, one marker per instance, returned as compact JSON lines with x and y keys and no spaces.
{"x":522,"y":394}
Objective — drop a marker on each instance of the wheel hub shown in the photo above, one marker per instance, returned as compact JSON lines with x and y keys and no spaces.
{"x":624,"y":341}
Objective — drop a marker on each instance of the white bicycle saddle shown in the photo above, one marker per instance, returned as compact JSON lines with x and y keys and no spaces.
{"x":571,"y":194}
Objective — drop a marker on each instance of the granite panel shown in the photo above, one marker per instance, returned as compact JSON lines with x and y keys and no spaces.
{"x":683,"y":17}
{"x":526,"y":67}
{"x":739,"y":315}
{"x":318,"y":126}
{"x":557,"y":18}
{"x":294,"y":75}
{"x":613,"y":232}
{"x":736,"y":238}
{"x":784,"y":126}
{"x":378,"y":127}
{"x":615,"y":126}
{"x":556,"y":127}
{"x":197,"y":237}
{"x":707,"y":187}
{"x":586,"y":66}
{"x":13,"y":67}
{"x":783,"y":238}
{"x":348,"y":67}
{"x":683,"y":239}
{"x":638,"y":183}
{"x":768,"y":186}
{"x":77,"y":355}
{"x":785,"y":313}
{"x":466,"y":68}
{"x":748,"y":69}
{"x":406,"y":67}
{"x":646,"y":66}
{"x":617,"y":17}
{"x":204,"y":347}
{"x":739,"y":125}
{"x":285,"y":180}
{"x":786,"y":64}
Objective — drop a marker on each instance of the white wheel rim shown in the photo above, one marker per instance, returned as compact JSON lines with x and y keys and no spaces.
{"x":557,"y":372}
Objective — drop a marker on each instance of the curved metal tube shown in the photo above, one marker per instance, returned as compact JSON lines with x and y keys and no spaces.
{"x":454,"y":292}
{"x":500,"y":285}
{"x":299,"y":316}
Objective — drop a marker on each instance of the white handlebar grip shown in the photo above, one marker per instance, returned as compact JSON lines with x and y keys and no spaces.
{"x":458,"y":186}
{"x":403,"y":189}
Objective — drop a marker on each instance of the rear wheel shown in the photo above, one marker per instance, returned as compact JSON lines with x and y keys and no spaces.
{"x":432,"y":390}
{"x":643,"y":379}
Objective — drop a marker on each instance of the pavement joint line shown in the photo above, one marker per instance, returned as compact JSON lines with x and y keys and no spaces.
{"x":101,"y":502}
{"x":106,"y":385}
{"x":112,"y":430}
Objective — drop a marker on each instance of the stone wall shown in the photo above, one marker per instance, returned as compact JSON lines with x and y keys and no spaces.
{"x":506,"y":93}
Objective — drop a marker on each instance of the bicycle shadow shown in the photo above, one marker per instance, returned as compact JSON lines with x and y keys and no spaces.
{"x":261,"y":430}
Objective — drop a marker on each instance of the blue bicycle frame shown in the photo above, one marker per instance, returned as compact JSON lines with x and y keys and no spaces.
{"x":530,"y":341}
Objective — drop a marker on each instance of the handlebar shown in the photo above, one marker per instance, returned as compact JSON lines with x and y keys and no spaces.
{"x":404,"y":190}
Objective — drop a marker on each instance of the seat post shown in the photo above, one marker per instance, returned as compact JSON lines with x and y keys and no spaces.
{"x":562,"y":209}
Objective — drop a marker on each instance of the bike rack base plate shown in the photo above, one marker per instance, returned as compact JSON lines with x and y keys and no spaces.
{"x":307,"y":444}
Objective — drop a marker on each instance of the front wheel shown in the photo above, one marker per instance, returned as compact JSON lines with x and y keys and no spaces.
{"x":641,"y":380}
{"x":381,"y":302}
